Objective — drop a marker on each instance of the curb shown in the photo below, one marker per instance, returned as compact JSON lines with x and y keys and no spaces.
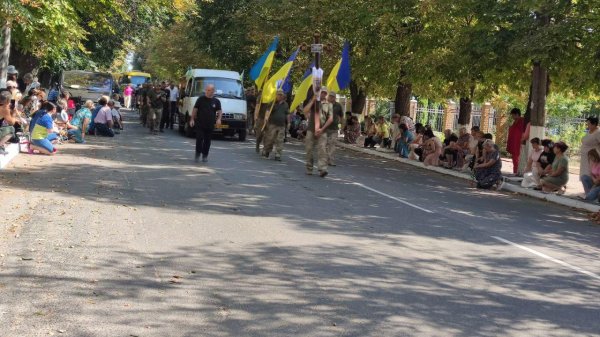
{"x":507,"y":186}
{"x":13,"y":152}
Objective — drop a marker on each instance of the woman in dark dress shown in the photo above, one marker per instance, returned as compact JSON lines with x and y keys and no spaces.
{"x":488,"y":173}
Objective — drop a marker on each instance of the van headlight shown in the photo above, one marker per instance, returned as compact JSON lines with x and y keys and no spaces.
{"x":239,"y":117}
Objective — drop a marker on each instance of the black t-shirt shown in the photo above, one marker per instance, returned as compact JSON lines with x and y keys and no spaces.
{"x":546,"y":158}
{"x":166,"y":103}
{"x":452,"y":138}
{"x":207,"y":111}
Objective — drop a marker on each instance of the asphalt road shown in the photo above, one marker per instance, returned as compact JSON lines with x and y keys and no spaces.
{"x":128,"y":237}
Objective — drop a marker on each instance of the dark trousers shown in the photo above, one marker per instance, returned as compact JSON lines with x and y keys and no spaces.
{"x":203,"y":139}
{"x":173,"y":113}
{"x":104,"y":130}
{"x":165,"y":119}
{"x":370,"y":142}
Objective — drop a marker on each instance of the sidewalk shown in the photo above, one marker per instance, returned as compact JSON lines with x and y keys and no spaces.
{"x":13,"y":151}
{"x":568,"y":199}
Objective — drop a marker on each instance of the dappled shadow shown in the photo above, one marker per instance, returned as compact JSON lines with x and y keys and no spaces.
{"x":224,"y":289}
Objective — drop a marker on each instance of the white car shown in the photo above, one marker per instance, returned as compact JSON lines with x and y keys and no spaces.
{"x":228,"y":89}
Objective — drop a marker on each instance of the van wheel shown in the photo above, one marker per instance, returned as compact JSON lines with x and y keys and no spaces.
{"x":242,"y":135}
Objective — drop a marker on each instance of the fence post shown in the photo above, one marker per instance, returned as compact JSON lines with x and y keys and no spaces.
{"x":449,"y":113}
{"x":486,"y":109}
{"x":413,"y":109}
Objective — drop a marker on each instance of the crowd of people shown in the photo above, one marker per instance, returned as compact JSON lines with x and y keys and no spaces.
{"x":40,"y":120}
{"x":158,"y":105}
{"x":545,"y":167}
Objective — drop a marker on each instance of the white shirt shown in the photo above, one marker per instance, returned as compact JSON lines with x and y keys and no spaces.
{"x":174,"y":94}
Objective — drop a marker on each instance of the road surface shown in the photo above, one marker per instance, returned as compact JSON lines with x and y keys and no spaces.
{"x":128,"y":237}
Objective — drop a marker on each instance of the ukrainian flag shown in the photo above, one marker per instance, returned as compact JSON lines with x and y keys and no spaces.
{"x":302,"y":91}
{"x":339,"y":78}
{"x":260,"y":70}
{"x":277,"y":80}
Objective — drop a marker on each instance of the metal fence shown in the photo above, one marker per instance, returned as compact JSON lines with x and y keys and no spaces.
{"x":432,"y":115}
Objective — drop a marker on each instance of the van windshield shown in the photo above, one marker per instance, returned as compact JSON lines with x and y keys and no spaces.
{"x":83,"y":80}
{"x":224,"y":87}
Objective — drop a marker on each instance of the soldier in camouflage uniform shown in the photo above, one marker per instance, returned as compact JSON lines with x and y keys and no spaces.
{"x":259,"y":121}
{"x":275,"y":131}
{"x":316,"y":138}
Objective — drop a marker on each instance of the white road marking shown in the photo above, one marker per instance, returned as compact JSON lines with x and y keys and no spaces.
{"x":373,"y":190}
{"x":549,"y":258}
{"x":392,"y":197}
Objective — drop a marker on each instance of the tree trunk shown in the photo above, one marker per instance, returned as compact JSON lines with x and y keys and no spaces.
{"x":402,"y":101}
{"x":464,"y":112}
{"x":539,"y":89}
{"x":5,"y":53}
{"x":358,"y":97}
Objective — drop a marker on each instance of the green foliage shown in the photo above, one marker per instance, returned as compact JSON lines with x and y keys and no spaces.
{"x":382,"y":109}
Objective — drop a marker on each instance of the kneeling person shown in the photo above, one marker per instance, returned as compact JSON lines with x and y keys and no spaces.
{"x":276,"y":127}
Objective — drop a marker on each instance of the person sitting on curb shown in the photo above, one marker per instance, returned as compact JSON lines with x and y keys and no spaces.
{"x":116,"y":116}
{"x":351,"y":130}
{"x":545,"y":162}
{"x":558,"y":177}
{"x":404,"y":140}
{"x":531,"y":176}
{"x":103,"y":122}
{"x":44,"y":133}
{"x":449,"y":152}
{"x":591,"y":182}
{"x":416,"y":146}
{"x":432,"y":149}
{"x":488,"y":172}
{"x":383,"y":133}
{"x":7,"y":120}
{"x":371,"y":133}
{"x":80,"y":122}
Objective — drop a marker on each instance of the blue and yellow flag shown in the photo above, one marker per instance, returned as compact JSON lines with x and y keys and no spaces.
{"x":277,"y":80}
{"x":260,"y":70}
{"x":339,"y":78}
{"x":302,"y":91}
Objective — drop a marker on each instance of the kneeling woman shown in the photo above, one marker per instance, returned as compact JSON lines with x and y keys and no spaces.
{"x":43,"y":132}
{"x":556,"y":180}
{"x":489,"y":172}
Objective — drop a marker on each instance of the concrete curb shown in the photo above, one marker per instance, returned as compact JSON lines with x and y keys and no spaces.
{"x":13,"y":151}
{"x":507,"y":186}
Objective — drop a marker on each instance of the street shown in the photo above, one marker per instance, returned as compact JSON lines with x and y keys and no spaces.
{"x":129,"y":237}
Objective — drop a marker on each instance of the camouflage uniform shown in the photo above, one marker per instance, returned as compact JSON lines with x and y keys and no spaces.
{"x":258,"y":125}
{"x":319,"y":144}
{"x":275,"y":132}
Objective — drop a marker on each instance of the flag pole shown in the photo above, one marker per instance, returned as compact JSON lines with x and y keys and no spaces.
{"x":316,"y":91}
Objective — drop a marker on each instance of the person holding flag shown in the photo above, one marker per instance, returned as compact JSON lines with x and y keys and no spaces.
{"x":275,"y":132}
{"x":269,"y":93}
{"x":339,"y":79}
{"x":259,"y":72}
{"x":316,"y":139}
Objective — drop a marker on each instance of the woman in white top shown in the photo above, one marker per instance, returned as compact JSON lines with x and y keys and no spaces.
{"x":533,"y":172}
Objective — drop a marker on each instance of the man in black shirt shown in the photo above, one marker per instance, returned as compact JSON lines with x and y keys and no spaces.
{"x":207,"y":107}
{"x":166,"y":113}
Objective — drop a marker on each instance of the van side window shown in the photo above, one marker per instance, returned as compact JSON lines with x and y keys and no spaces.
{"x":188,"y":88}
